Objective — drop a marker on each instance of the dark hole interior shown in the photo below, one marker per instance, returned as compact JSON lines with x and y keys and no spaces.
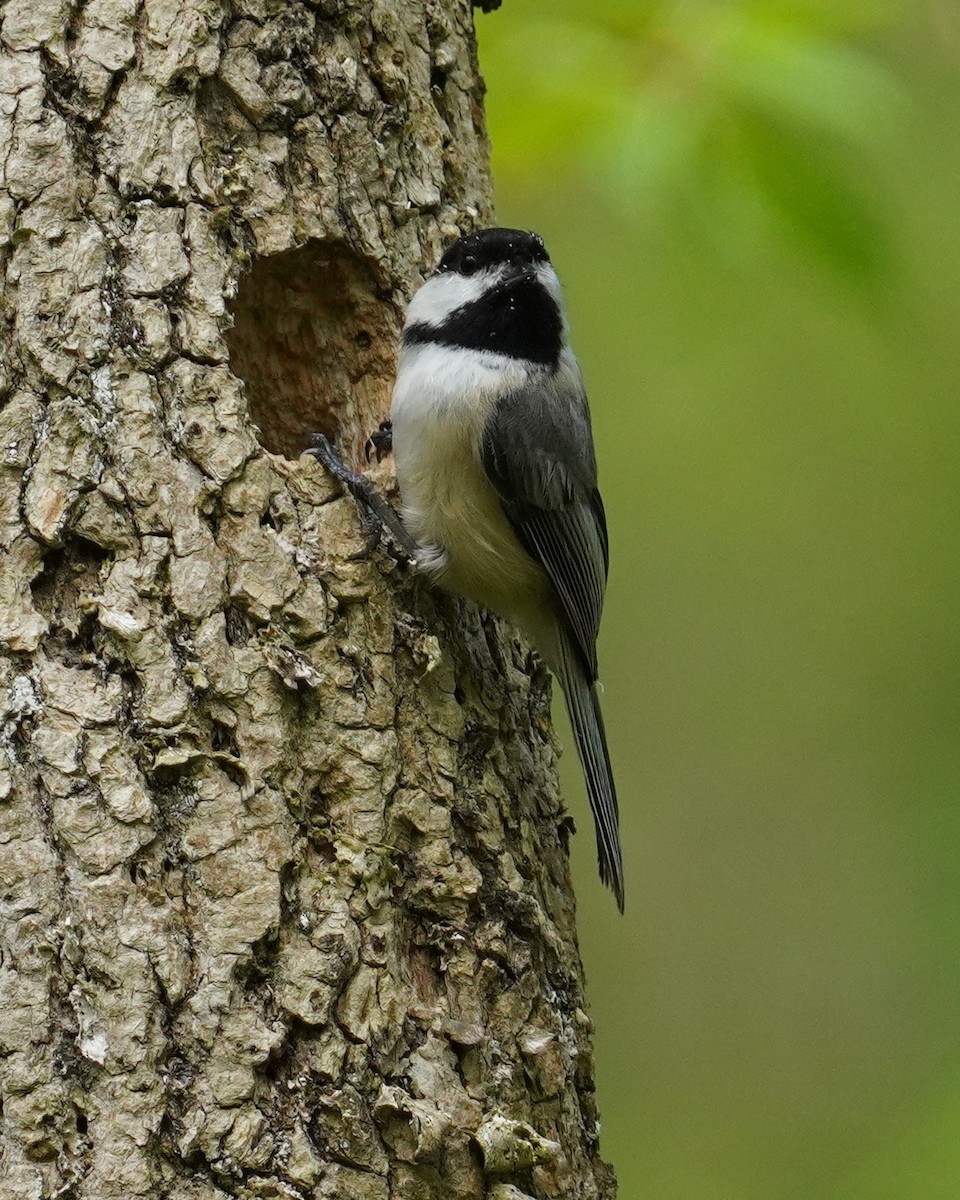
{"x":314,"y":341}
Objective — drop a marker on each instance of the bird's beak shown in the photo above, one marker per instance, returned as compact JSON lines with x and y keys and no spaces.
{"x":522,"y":272}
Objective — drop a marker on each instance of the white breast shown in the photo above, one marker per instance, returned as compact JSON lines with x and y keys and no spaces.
{"x":441,"y":403}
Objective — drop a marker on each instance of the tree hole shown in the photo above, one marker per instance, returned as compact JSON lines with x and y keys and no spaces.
{"x":314,"y":339}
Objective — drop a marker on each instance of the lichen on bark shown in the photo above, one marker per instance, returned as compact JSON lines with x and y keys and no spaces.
{"x":283,"y":877}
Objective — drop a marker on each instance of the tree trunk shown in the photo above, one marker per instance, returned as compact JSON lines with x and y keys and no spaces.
{"x":285,"y":898}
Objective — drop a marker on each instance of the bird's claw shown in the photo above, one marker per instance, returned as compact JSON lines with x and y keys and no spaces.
{"x":380,"y":442}
{"x":376,"y":515}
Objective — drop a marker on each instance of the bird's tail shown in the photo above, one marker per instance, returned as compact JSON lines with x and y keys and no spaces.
{"x":583,"y":705}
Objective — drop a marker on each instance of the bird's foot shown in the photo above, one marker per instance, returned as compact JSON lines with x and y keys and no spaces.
{"x":380,"y":442}
{"x":376,"y":515}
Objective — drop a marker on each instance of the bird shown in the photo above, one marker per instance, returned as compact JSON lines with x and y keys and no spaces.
{"x":496,"y":469}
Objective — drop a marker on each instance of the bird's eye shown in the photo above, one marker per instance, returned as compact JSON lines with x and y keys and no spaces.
{"x":469,"y":264}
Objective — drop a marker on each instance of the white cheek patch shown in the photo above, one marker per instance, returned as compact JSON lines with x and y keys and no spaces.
{"x":443,"y":294}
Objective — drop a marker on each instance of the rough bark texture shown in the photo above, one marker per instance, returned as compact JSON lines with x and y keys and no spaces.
{"x":283,"y":879}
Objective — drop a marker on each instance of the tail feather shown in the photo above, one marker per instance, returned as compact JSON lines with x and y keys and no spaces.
{"x":583,"y":705}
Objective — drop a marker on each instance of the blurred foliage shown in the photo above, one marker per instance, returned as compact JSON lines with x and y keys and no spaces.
{"x":776,"y":1015}
{"x":747,"y":122}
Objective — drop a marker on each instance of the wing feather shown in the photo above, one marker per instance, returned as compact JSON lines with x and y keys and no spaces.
{"x":538,"y":454}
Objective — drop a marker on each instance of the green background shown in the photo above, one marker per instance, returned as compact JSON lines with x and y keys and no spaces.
{"x":755,"y":210}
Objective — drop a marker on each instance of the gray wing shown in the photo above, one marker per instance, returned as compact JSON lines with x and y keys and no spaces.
{"x":538,"y":454}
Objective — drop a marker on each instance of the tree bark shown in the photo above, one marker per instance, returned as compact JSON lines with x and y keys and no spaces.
{"x":286,"y":909}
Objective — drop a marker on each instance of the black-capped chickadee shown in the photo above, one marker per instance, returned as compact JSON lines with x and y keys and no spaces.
{"x":497,"y":473}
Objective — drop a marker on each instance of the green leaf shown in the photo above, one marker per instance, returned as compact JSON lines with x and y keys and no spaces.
{"x":792,"y":75}
{"x":754,"y":118}
{"x":554,"y":87}
{"x":813,"y":191}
